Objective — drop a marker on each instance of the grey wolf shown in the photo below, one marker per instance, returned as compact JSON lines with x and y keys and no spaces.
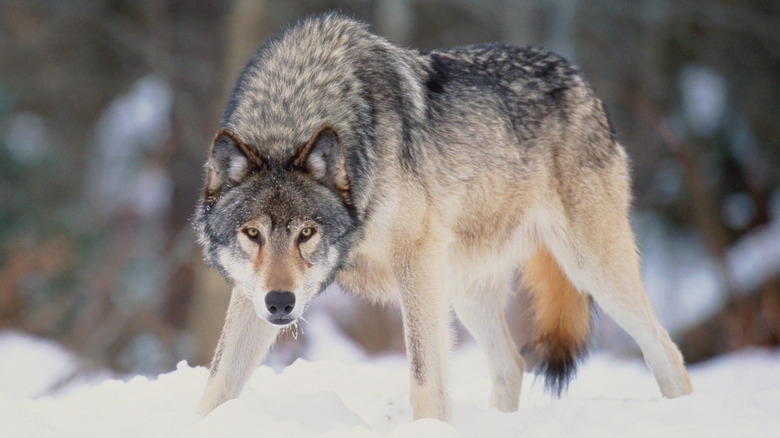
{"x":430,"y":178}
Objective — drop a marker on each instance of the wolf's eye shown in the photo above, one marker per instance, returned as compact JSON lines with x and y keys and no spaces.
{"x":252,"y":233}
{"x":306,"y":234}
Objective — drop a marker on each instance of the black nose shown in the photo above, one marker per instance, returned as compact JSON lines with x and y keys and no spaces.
{"x":280,"y":303}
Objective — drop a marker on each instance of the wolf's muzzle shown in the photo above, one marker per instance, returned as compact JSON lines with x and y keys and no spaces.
{"x":279,"y":304}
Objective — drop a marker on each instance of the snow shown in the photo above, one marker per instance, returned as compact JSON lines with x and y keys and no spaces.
{"x":683,"y":280}
{"x":28,"y":366}
{"x":704,"y":94}
{"x":133,"y":126}
{"x":736,"y":395}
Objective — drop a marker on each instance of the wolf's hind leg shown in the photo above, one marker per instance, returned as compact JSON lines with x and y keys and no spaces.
{"x":608,"y":269}
{"x":482,"y":313}
{"x":245,"y":339}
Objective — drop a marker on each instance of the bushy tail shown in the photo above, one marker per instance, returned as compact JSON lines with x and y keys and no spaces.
{"x":562,"y":322}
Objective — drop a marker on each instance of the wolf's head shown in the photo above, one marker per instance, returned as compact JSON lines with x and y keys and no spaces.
{"x":278,"y":230}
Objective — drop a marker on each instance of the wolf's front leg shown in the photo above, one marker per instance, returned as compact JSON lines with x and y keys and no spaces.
{"x":245,"y":339}
{"x":426,"y":330}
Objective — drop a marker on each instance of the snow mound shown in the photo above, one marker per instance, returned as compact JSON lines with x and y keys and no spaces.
{"x":736,"y":395}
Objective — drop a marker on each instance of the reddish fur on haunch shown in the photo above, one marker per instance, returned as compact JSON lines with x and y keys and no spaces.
{"x":562,"y":321}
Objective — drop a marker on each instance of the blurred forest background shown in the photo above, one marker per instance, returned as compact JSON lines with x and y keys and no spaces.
{"x":107,"y":109}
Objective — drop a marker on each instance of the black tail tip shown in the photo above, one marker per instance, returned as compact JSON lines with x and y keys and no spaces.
{"x":557,"y":365}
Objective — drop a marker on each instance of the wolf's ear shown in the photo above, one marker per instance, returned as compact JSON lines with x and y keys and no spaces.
{"x":229,"y":163}
{"x":323,"y":158}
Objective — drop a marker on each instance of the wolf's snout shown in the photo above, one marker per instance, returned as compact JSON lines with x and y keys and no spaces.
{"x":280,"y":303}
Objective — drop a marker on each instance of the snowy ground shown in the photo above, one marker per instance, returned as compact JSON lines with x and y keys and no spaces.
{"x":735,"y":396}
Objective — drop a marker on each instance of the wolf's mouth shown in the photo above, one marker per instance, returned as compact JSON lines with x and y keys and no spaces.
{"x":281,"y":321}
